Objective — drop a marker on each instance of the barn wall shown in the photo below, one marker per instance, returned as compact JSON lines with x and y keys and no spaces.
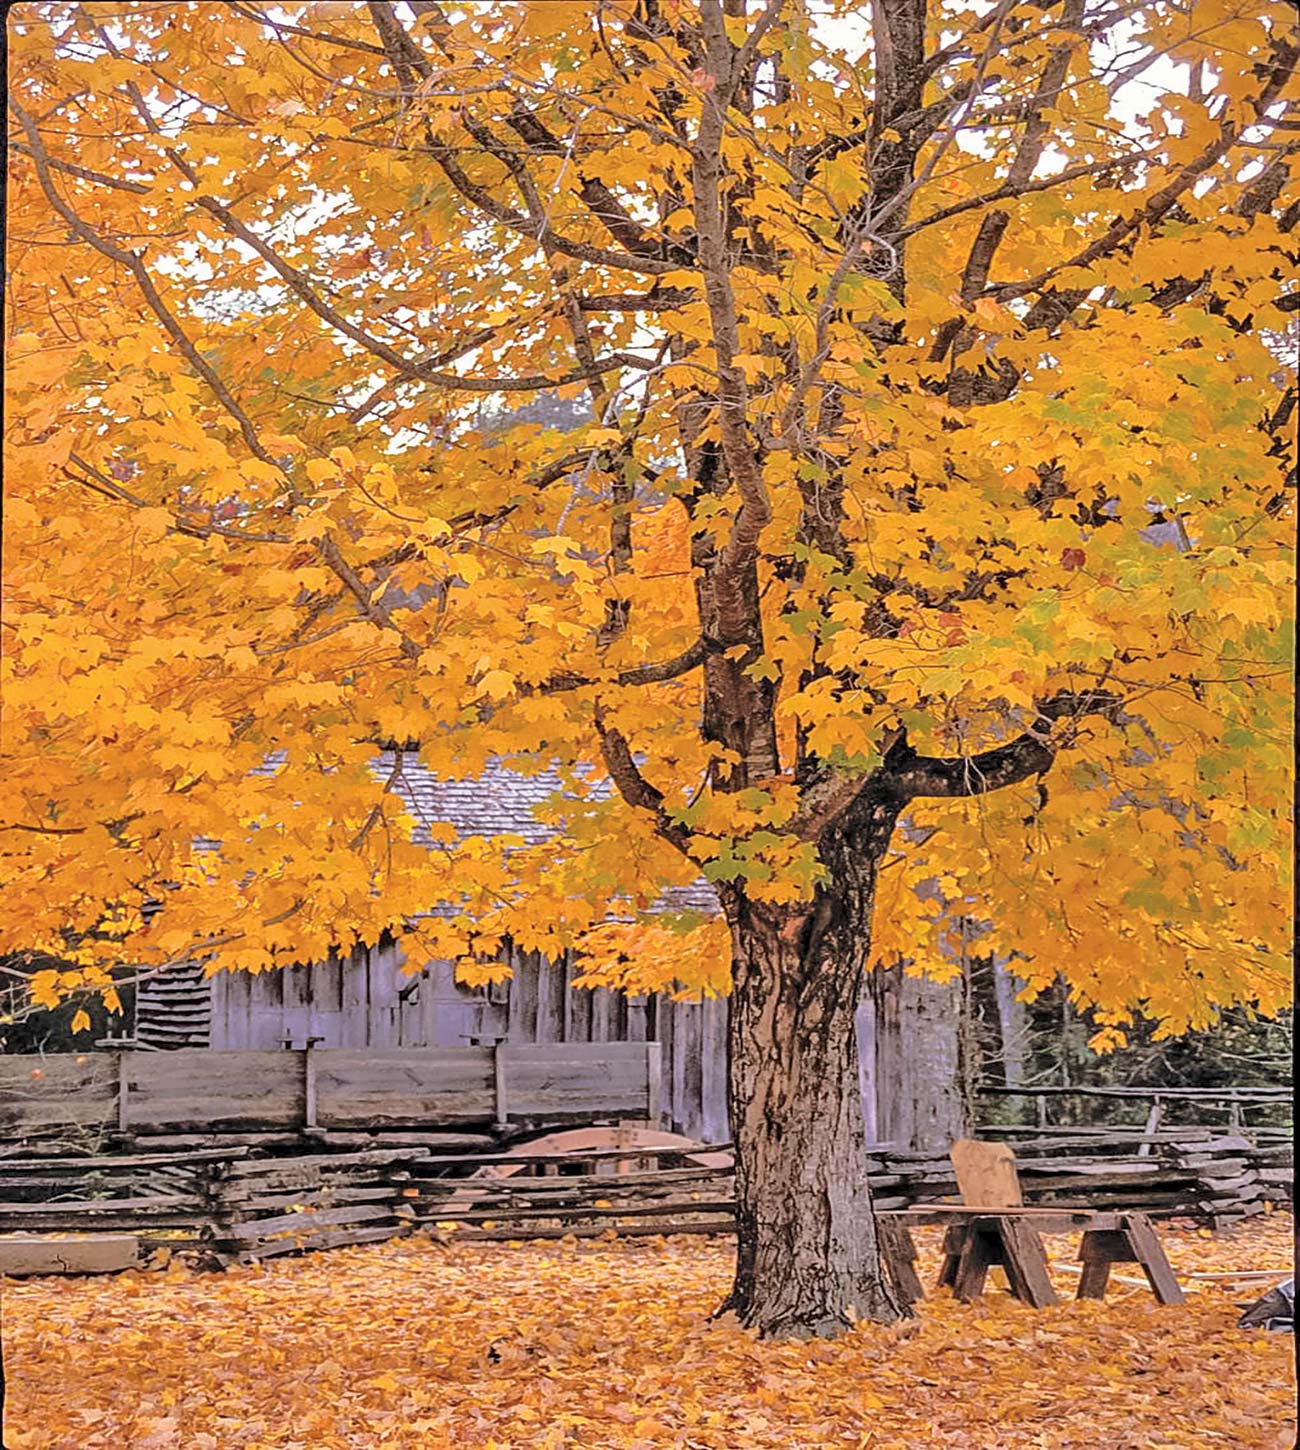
{"x":366,"y":1000}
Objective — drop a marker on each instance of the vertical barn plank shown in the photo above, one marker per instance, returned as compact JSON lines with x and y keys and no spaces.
{"x":297,"y":1004}
{"x":266,"y":1011}
{"x":541,"y":970}
{"x":663,"y":1034}
{"x":326,"y":991}
{"x":580,"y":1014}
{"x":693,"y":1070}
{"x":219,"y":986}
{"x":428,"y":1006}
{"x":382,"y":970}
{"x":550,"y":1026}
{"x":355,"y":999}
{"x":637,"y":1019}
{"x":452,"y":1013}
{"x":713,"y":1072}
{"x":681,"y":1047}
{"x":408,"y":986}
{"x":601,"y":1013}
{"x":238,"y":987}
{"x":864,"y":1024}
{"x":566,"y":977}
{"x":523,"y":998}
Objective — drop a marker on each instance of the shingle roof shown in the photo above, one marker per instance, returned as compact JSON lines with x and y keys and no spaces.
{"x":502,"y":801}
{"x":498,"y":802}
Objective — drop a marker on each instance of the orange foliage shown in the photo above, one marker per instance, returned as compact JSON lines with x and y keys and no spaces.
{"x":277,"y":280}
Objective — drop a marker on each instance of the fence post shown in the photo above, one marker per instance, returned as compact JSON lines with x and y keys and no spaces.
{"x":1146,"y":1147}
{"x":122,"y":1115}
{"x":499,"y":1079}
{"x":309,"y":1084}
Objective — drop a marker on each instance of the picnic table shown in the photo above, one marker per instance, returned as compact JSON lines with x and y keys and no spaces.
{"x":994,"y":1226}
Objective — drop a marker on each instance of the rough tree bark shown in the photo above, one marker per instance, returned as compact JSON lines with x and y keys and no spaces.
{"x":807,"y":1262}
{"x":1012,"y":1022}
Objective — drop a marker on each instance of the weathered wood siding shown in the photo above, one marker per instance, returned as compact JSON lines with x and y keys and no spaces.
{"x":367,"y":1001}
{"x":173,"y":1010}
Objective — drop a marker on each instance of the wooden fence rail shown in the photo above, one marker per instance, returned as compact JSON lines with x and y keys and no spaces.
{"x":238,"y":1205}
{"x":198,"y":1090}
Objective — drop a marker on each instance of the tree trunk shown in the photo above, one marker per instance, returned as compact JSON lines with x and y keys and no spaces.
{"x":807,"y":1258}
{"x":917,"y":1078}
{"x":1012,"y":1022}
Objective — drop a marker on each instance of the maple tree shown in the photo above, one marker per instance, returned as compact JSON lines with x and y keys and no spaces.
{"x":927,"y":526}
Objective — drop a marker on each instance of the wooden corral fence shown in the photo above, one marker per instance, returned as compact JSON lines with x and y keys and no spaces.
{"x":1162,"y":1104}
{"x":194,"y":1090}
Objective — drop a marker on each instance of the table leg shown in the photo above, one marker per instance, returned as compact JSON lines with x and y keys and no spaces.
{"x":980,"y":1250}
{"x":1096,"y":1253}
{"x":898,"y":1254}
{"x":953,"y":1239}
{"x":1148,"y":1252}
{"x":1026,"y":1263}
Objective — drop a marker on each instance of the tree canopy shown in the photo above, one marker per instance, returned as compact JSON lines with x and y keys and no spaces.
{"x":933,"y":418}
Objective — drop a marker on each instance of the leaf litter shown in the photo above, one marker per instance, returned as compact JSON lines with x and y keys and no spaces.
{"x":608,"y":1345}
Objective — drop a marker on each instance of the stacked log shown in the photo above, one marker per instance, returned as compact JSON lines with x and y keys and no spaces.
{"x":1228,"y":1184}
{"x":257,"y":1198}
{"x":260,"y":1208}
{"x":1275,"y":1163}
{"x":630,"y":1191}
{"x":146,"y":1194}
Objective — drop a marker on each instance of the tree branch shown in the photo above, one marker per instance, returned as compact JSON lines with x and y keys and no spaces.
{"x":635,"y":789}
{"x":84,"y":172}
{"x":1154,"y":209}
{"x":912,"y":775}
{"x":651,"y":674}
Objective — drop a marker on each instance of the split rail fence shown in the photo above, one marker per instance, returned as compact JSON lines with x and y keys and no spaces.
{"x":242,"y":1204}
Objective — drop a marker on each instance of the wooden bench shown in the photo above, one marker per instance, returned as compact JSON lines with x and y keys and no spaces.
{"x":993,"y":1226}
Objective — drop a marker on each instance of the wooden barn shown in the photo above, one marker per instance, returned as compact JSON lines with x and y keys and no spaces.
{"x":367,"y":999}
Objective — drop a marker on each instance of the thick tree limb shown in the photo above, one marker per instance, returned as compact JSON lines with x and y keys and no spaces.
{"x":635,"y":789}
{"x":743,"y":468}
{"x":913,"y":775}
{"x":655,"y":673}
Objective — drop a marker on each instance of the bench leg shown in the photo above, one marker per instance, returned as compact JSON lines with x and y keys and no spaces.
{"x":980,"y":1250}
{"x":953,"y":1239}
{"x":1135,"y":1242}
{"x":1026,"y":1264}
{"x":1096,"y":1253}
{"x":898,"y":1253}
{"x":1147,"y":1251}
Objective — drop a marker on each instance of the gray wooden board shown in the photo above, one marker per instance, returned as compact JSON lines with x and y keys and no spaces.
{"x":713,"y":1064}
{"x":385,"y":984}
{"x":69,"y":1089}
{"x":199,"y":1089}
{"x":449,"y":1085}
{"x":355,"y":1001}
{"x":94,"y":1254}
{"x":568,"y":1080}
{"x":195,"y":1085}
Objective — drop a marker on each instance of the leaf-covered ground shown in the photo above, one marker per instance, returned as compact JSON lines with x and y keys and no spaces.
{"x":602,"y":1344}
